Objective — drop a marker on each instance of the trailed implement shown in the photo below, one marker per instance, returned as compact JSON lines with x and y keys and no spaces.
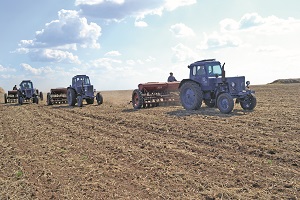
{"x":11,"y":96}
{"x":155,"y":94}
{"x":57,"y":96}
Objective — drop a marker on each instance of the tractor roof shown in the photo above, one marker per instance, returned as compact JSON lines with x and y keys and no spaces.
{"x":26,"y":81}
{"x":201,"y":62}
{"x":80,"y":76}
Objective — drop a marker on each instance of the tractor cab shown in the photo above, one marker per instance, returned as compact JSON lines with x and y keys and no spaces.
{"x":26,"y":84}
{"x":205,"y":68}
{"x":80,"y":80}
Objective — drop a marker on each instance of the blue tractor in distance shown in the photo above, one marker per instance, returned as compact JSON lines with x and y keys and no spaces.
{"x":27,"y":93}
{"x":81,"y":89}
{"x":208,"y":84}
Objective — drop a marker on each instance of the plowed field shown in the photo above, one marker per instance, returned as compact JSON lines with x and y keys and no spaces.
{"x":115,"y":152}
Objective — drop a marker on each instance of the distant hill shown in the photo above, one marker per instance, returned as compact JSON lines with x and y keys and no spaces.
{"x":286,"y":81}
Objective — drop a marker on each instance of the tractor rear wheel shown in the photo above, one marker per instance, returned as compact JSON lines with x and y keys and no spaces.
{"x":71,"y":97}
{"x":99,"y":98}
{"x":5,"y":98}
{"x":225,"y":103}
{"x":191,"y":95}
{"x":137,"y":99}
{"x":49,"y":102}
{"x":249,"y":103}
{"x":90,"y":101}
{"x":79,"y":101}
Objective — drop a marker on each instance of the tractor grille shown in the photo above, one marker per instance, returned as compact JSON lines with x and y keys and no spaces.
{"x":28,"y":93}
{"x":236,"y":84}
{"x":89,"y":90}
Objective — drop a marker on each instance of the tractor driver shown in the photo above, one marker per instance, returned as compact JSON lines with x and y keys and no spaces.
{"x":171,"y":78}
{"x":26,"y":86}
{"x":15,"y":87}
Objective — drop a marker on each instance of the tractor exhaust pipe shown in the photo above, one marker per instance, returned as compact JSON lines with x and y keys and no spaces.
{"x":223,"y":73}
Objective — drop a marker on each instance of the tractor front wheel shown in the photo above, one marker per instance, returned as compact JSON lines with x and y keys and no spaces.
{"x":249,"y":103}
{"x":79,"y":101}
{"x":191,"y":96}
{"x":20,"y":100}
{"x":99,"y":98}
{"x":137,"y":99}
{"x":36,"y":100}
{"x":225,"y":103}
{"x":71,"y":97}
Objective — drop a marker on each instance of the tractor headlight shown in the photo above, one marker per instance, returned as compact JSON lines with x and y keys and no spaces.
{"x":233,"y":84}
{"x":247,"y":83}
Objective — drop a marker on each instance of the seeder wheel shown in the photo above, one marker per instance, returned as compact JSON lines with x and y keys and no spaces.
{"x":137,"y":99}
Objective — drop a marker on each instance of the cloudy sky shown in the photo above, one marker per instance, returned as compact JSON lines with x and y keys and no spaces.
{"x":121,"y":43}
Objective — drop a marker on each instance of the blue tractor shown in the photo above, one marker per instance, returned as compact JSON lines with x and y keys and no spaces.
{"x":81,"y":89}
{"x":27,"y":93}
{"x":208,"y":84}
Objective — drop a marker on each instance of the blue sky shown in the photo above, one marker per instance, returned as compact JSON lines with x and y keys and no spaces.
{"x":121,"y":43}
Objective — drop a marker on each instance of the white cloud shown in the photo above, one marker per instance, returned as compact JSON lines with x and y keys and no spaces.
{"x":6,"y":69}
{"x":182,"y":53}
{"x":53,"y":55}
{"x":130,"y":62}
{"x":181,"y":30}
{"x":66,"y":33}
{"x":69,"y":29}
{"x":105,"y":63}
{"x":150,"y":59}
{"x":254,"y":22}
{"x":173,"y":4}
{"x":113,"y":53}
{"x":119,"y":9}
{"x":140,"y":24}
{"x":216,"y":40}
{"x":36,"y":71}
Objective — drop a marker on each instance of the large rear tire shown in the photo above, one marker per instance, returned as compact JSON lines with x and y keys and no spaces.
{"x":191,"y":95}
{"x":137,"y":99}
{"x":225,"y":103}
{"x":99,"y":98}
{"x":249,"y":103}
{"x":71,"y":97}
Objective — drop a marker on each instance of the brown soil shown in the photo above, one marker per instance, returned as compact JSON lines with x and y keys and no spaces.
{"x":115,"y":152}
